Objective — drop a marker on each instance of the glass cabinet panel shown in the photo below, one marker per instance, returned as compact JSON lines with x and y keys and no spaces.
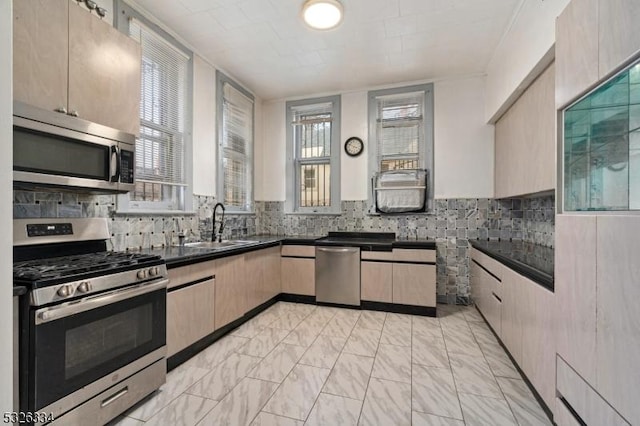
{"x":602,"y":147}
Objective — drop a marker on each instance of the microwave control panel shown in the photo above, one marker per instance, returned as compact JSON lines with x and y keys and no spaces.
{"x":126,"y":166}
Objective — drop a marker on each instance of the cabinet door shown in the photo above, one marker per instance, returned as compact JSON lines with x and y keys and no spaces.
{"x":231,"y":290}
{"x":376,"y":281}
{"x":525,"y":141}
{"x":575,"y":292}
{"x":41,"y":52}
{"x":272,"y":282}
{"x":494,"y":313}
{"x":104,"y":72}
{"x":474,"y":283}
{"x":512,"y":302}
{"x":576,"y":50}
{"x":618,"y":318}
{"x":538,"y":339}
{"x":619,"y":33}
{"x":298,"y":276}
{"x":190,"y":315}
{"x":255,"y":266}
{"x":414,"y":284}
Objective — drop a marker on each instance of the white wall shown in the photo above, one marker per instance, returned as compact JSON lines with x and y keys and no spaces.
{"x":353,"y":170}
{"x":6,"y":208}
{"x":204,"y":127}
{"x":463,"y":144}
{"x":274,"y":152}
{"x":526,"y":47}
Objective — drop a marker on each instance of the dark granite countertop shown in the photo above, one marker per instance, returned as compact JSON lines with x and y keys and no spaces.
{"x":531,"y":260}
{"x":181,"y":256}
{"x":19,"y":290}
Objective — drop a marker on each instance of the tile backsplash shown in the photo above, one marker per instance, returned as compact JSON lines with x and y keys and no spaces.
{"x":451,"y":224}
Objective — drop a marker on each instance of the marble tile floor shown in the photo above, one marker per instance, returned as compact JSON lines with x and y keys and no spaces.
{"x":297,"y":364}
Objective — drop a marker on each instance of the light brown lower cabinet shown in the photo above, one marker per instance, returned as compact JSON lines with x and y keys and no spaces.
{"x":513,"y":298}
{"x":190,"y":315}
{"x":414,"y":284}
{"x":231,"y":290}
{"x":376,"y":280}
{"x":254,"y":263}
{"x":298,"y":276}
{"x":272,"y":273}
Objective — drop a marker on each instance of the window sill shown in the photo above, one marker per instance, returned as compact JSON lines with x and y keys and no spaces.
{"x":120,"y":213}
{"x":427,"y":213}
{"x":313,"y":213}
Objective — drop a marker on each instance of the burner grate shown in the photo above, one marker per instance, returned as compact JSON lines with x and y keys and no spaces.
{"x":59,"y":267}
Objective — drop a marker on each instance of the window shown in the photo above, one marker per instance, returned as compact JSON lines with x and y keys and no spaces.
{"x":161,"y":178}
{"x":235,"y":145}
{"x":313,"y":155}
{"x":401,"y":131}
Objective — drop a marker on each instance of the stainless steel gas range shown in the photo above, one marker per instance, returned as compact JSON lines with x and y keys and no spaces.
{"x":93,"y":325}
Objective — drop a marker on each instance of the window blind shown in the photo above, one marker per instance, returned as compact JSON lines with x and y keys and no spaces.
{"x":237,"y":147}
{"x":400,"y":131}
{"x":160,"y":149}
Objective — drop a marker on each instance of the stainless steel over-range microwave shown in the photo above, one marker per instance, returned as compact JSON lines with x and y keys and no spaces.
{"x":53,"y":149}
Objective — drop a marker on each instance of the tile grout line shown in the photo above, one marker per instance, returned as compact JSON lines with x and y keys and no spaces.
{"x":315,"y":402}
{"x":504,"y":397}
{"x":371,"y":373}
{"x":455,"y":385}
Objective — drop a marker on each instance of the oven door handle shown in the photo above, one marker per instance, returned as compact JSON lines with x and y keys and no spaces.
{"x":71,"y":308}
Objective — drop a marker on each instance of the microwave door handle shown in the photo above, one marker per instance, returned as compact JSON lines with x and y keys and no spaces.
{"x":114,"y":165}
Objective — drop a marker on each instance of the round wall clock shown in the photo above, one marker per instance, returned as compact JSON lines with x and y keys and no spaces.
{"x":353,"y":146}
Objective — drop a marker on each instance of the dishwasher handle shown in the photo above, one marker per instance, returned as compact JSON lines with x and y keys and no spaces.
{"x":338,"y":250}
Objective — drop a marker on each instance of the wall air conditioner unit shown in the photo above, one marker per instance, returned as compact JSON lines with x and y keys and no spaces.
{"x":400,"y":191}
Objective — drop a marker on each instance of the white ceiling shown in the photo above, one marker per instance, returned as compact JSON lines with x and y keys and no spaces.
{"x":265,"y":45}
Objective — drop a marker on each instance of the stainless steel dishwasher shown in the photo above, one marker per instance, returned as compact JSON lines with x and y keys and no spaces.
{"x":338,"y":275}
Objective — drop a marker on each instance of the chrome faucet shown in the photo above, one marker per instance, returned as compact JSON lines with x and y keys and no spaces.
{"x":213,"y":234}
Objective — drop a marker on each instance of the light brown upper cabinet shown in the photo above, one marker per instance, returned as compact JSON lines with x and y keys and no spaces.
{"x":525,"y":141}
{"x":619,"y":33}
{"x":594,"y":38}
{"x":576,"y":49}
{"x":68,"y":60}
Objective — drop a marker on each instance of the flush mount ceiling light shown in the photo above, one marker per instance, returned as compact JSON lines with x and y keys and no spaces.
{"x":322,"y":14}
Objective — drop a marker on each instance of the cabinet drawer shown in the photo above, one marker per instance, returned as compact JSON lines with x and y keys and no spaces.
{"x":298,"y":251}
{"x":376,"y":255}
{"x":487,"y":262}
{"x":583,"y":399}
{"x":190,"y":273}
{"x":414,"y":255}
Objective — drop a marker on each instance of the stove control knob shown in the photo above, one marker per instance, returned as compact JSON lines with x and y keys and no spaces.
{"x":65,"y":291}
{"x":84,"y":287}
{"x":153,"y":271}
{"x":142,"y":274}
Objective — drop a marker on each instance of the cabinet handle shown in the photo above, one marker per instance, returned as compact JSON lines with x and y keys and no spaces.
{"x":61,"y":110}
{"x":73,"y":113}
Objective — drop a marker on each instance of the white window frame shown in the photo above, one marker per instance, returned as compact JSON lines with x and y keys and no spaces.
{"x":221,"y":80}
{"x":426,"y":160}
{"x":292,"y":202}
{"x":183,"y":201}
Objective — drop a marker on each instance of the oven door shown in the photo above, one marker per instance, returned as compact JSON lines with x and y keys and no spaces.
{"x":76,"y":343}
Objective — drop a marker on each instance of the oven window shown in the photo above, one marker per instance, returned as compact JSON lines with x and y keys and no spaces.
{"x":74,"y":351}
{"x":105,"y":339}
{"x":42,"y":153}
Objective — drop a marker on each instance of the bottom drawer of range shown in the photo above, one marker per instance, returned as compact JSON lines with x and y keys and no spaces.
{"x":117,"y":399}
